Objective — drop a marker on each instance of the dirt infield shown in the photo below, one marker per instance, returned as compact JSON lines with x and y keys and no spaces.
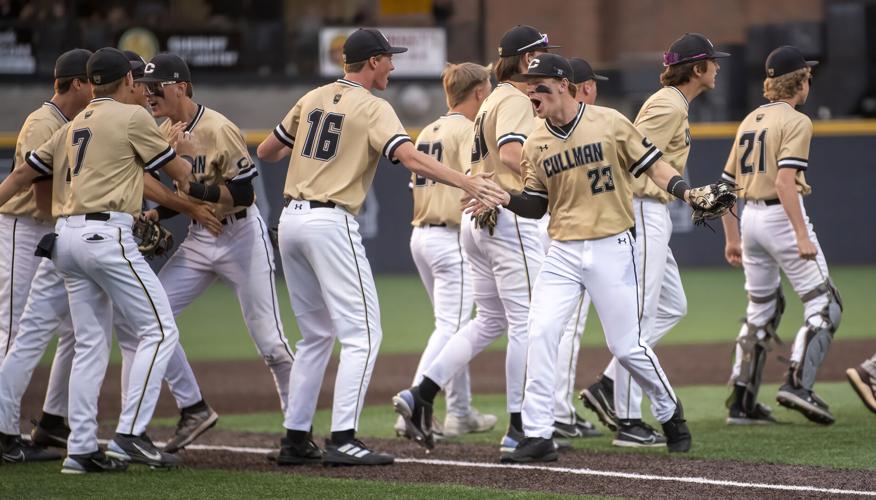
{"x":247,"y":386}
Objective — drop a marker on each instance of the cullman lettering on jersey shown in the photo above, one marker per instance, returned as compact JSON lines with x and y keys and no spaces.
{"x":571,"y":158}
{"x":200,"y":165}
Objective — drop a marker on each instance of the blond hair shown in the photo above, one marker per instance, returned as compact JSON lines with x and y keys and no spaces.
{"x":787,"y":85}
{"x":461,"y":79}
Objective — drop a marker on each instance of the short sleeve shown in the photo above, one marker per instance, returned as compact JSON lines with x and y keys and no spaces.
{"x":660,"y":123}
{"x":635,"y":151}
{"x":533,"y":184}
{"x":42,"y":159}
{"x":731,"y":167}
{"x":794,"y":150}
{"x":385,"y":131}
{"x":148,"y":142}
{"x":514,"y":121}
{"x":285,"y":130}
{"x":237,"y":165}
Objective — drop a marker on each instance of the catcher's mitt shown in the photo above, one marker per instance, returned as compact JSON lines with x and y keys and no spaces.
{"x":712,"y":201}
{"x":152,"y":238}
{"x":486,"y":219}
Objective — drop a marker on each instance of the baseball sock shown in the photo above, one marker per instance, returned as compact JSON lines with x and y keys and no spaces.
{"x":428,"y":390}
{"x":517,"y":421}
{"x":296,"y":436}
{"x":341,"y":437}
{"x":195,"y":408}
{"x":48,"y":420}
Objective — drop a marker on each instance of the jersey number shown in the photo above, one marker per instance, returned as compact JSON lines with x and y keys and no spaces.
{"x":747,"y":141}
{"x":322,"y":135}
{"x":81,"y":138}
{"x":479,"y":147}
{"x":430,"y":148}
{"x":597,"y":174}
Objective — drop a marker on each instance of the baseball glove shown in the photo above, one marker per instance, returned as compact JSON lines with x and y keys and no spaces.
{"x":153,"y":240}
{"x":487,"y":219}
{"x":712,"y":201}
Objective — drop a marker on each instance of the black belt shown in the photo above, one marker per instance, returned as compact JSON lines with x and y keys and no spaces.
{"x":313,"y":204}
{"x":101,"y":216}
{"x":774,"y":201}
{"x":437,"y":225}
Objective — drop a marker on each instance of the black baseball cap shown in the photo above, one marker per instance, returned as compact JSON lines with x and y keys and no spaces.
{"x":522,"y":39}
{"x":137,"y":63}
{"x":786,"y":59}
{"x":691,"y":47}
{"x":581,"y":71}
{"x":547,"y":66}
{"x":368,"y":42}
{"x":166,"y":67}
{"x":72,"y":63}
{"x":107,"y":65}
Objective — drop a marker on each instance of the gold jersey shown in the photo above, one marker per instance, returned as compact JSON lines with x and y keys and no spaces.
{"x":448,"y":139}
{"x":337,"y":133}
{"x":663,"y":120}
{"x":50,"y":160}
{"x":585,"y":171}
{"x":771,"y":137}
{"x":108,"y":146}
{"x":37,"y":129}
{"x":505,"y":116}
{"x":222,"y":155}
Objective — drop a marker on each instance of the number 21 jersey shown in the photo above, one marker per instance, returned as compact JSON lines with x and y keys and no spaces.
{"x":337,"y":133}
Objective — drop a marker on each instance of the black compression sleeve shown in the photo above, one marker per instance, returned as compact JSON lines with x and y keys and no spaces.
{"x":242,"y":193}
{"x":203,"y":192}
{"x":531,"y":207}
{"x":165,"y":213}
{"x":677,"y":186}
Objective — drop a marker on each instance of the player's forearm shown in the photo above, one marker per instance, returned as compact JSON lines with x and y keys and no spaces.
{"x":529,"y":206}
{"x":179,"y":170}
{"x":272,"y":150}
{"x":19,"y":179}
{"x":731,"y":228}
{"x":662,"y":174}
{"x":510,"y":154}
{"x":787,"y":192}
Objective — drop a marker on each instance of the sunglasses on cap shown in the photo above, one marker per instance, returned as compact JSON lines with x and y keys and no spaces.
{"x":157,"y":88}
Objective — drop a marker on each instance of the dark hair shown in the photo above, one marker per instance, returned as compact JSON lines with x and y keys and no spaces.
{"x":506,"y":67}
{"x":63,"y":84}
{"x":107,"y":89}
{"x":679,"y":74}
{"x":189,"y":91}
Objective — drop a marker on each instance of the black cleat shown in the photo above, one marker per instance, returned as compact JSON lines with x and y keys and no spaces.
{"x":140,"y":450}
{"x":55,"y":436}
{"x":635,"y":433}
{"x":417,"y":414}
{"x":762,"y":415}
{"x":298,"y":453}
{"x":17,"y":450}
{"x":531,"y":449}
{"x":354,"y":453}
{"x":599,"y":398}
{"x":92,"y":462}
{"x":807,"y":403}
{"x":678,"y":437}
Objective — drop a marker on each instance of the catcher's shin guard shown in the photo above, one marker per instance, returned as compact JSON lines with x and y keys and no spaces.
{"x":818,"y":331}
{"x":755,"y":341}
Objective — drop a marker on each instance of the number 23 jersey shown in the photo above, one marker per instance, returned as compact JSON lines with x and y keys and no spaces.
{"x":337,"y":133}
{"x":584,"y":170}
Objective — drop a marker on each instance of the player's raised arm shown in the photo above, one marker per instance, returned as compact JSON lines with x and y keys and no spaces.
{"x":155,"y":191}
{"x":278,"y":144}
{"x":19,"y":179}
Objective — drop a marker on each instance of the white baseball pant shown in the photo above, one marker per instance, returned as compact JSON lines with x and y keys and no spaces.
{"x":333,"y":296}
{"x":662,"y":304}
{"x":606,"y":267}
{"x":502,"y":268}
{"x":101,"y":266}
{"x":443,"y":268}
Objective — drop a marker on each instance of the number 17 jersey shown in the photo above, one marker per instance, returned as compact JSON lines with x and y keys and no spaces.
{"x":337,"y":133}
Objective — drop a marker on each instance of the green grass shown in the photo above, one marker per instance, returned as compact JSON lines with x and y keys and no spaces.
{"x":44,"y":482}
{"x":795,"y":441}
{"x":212,"y":327}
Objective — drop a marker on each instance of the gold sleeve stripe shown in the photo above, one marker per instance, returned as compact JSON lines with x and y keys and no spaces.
{"x":510,"y":137}
{"x":34,"y":161}
{"x":161,"y":160}
{"x":246,"y":174}
{"x":791,"y":162}
{"x":393,"y":143}
{"x":645,"y":162}
{"x":727,"y":176}
{"x":284,"y":136}
{"x":532,"y":192}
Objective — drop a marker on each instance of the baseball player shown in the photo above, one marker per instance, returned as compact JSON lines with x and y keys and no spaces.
{"x":22,"y":224}
{"x":335,"y":135}
{"x":241,"y":256}
{"x":108,"y":145}
{"x":579,"y":162}
{"x":47,"y":311}
{"x":767,"y":161}
{"x":567,"y":422}
{"x":435,"y":240}
{"x":691,"y":68}
{"x":863,"y":380}
{"x":505,"y":253}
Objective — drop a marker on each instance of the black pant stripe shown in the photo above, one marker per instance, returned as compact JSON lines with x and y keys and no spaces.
{"x":359,"y":396}
{"x":11,"y":288}
{"x":461,"y":282}
{"x":528,"y":289}
{"x":160,"y":328}
{"x":639,"y":322}
{"x":571,"y":366}
{"x":261,"y":224}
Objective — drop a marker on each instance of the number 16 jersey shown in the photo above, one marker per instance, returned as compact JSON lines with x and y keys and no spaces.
{"x":337,"y":133}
